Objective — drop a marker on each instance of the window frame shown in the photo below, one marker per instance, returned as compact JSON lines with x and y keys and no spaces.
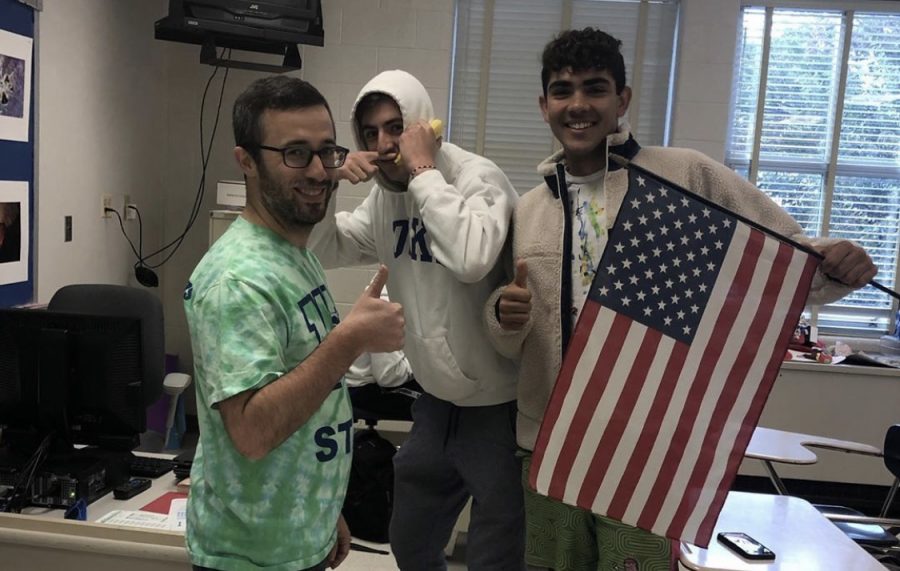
{"x":831,"y":319}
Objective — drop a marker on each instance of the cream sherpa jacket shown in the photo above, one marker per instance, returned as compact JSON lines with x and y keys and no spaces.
{"x":541,"y":238}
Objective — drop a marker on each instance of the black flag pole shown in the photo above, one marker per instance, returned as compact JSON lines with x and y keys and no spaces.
{"x":622,"y":161}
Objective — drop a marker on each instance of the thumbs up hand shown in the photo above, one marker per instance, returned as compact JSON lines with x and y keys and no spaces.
{"x":514,"y":308}
{"x":377,"y":323}
{"x":376,"y":286}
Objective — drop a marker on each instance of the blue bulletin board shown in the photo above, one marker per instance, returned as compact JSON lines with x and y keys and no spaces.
{"x":16,"y":153}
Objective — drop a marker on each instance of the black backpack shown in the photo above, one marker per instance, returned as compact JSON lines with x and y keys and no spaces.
{"x":370,"y":493}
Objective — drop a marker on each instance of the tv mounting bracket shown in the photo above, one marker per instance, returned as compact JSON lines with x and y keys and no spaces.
{"x":291,"y":62}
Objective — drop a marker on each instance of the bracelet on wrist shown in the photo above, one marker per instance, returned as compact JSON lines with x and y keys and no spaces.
{"x":420,"y":168}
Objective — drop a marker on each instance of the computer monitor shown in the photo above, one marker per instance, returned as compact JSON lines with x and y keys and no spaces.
{"x":78,"y":377}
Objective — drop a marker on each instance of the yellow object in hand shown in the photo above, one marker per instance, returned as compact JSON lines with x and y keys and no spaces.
{"x":437,"y":126}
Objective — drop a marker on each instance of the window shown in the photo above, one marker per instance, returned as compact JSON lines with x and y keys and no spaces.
{"x":497,"y":73}
{"x":816,"y":125}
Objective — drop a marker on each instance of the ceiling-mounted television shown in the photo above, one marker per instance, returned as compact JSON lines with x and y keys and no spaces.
{"x":268,"y":26}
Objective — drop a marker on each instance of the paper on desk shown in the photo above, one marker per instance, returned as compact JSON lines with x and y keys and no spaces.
{"x":175,"y":520}
{"x":178,"y":514}
{"x":131,"y":518}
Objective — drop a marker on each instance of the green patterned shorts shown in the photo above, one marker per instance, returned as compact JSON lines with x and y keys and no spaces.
{"x":567,"y":538}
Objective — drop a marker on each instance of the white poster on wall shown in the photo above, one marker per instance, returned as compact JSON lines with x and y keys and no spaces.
{"x":15,"y":86}
{"x":15,"y":236}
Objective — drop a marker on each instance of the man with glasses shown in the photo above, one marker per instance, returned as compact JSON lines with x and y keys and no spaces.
{"x":270,"y":352}
{"x":438,"y":218}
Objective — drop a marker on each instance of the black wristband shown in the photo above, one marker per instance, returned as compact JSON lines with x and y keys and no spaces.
{"x":419,"y":169}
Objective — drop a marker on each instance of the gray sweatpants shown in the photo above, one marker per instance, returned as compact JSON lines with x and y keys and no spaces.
{"x":452,"y":453}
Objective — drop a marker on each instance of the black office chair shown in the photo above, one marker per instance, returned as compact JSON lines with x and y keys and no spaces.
{"x":124,"y":301}
{"x":372,"y":402}
{"x":877,"y":535}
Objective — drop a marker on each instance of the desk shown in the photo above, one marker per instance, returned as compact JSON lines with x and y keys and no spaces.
{"x":40,"y":539}
{"x":802,"y":539}
{"x":768,"y":445}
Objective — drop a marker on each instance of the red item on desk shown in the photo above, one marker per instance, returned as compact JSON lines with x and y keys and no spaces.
{"x":161,"y":504}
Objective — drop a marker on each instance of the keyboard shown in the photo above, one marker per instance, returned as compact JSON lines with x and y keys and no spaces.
{"x":149,"y":467}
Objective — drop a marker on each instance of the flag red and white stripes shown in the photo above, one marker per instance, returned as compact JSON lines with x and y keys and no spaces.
{"x":665,"y":378}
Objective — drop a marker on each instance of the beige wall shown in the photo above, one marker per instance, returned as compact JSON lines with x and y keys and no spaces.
{"x":101,"y":97}
{"x":118,"y":112}
{"x":414,"y":35}
{"x":708,"y":37}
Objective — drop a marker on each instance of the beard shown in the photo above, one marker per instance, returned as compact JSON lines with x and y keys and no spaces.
{"x":282,"y":203}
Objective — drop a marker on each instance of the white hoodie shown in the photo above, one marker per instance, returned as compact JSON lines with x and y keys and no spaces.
{"x":441,"y":242}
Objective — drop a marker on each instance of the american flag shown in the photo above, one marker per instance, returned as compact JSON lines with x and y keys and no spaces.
{"x":671,"y":361}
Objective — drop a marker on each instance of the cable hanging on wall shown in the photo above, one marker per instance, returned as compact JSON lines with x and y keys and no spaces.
{"x":143,"y":270}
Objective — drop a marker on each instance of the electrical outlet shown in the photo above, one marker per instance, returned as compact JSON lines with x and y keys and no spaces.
{"x":106,"y":201}
{"x":130,"y":213}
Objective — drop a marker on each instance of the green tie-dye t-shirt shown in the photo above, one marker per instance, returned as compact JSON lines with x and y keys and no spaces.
{"x":256,"y":307}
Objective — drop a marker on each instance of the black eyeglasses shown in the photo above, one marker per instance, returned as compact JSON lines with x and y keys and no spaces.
{"x":299,"y":156}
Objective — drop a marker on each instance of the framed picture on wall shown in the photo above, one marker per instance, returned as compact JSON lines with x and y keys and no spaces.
{"x":15,"y":86}
{"x":14,"y":231}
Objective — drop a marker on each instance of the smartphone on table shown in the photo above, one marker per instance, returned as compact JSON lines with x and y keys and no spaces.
{"x":745,"y":546}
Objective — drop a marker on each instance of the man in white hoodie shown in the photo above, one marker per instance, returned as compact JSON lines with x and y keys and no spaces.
{"x":438,"y":218}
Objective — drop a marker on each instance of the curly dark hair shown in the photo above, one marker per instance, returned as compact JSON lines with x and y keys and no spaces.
{"x":582,"y":50}
{"x":279,"y":92}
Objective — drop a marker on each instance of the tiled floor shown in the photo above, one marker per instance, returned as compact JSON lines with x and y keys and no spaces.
{"x":359,"y":561}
